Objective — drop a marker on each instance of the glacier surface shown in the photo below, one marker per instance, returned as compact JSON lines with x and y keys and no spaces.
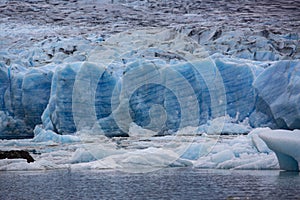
{"x":79,"y":99}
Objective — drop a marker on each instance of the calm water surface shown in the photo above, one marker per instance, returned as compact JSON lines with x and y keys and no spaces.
{"x":163,"y":184}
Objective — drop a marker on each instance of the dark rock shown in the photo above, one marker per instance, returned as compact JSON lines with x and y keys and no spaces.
{"x":16,"y":154}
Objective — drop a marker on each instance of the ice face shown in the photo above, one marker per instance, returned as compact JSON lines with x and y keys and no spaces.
{"x":76,"y":99}
{"x":25,"y":97}
{"x":163,"y":82}
{"x":4,"y":85}
{"x":60,"y":103}
{"x":238,"y":79}
{"x":278,"y":95}
{"x":160,"y":98}
{"x":35,"y":95}
{"x":35,"y":91}
{"x":13,"y":95}
{"x":11,"y":127}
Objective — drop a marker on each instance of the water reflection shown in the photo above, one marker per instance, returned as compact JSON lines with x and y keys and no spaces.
{"x":288,"y":173}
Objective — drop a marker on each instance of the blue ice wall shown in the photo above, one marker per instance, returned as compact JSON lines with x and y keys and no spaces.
{"x":156,"y":95}
{"x":278,"y":89}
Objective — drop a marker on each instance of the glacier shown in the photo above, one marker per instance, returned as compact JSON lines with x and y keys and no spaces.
{"x":215,"y":86}
{"x":146,"y":99}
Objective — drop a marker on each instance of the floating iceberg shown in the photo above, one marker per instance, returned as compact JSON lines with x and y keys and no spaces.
{"x":286,"y":146}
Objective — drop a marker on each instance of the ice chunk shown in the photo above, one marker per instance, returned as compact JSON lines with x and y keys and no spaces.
{"x":92,"y":152}
{"x":286,"y":146}
{"x":226,"y":124}
{"x":222,"y":156}
{"x":82,"y":155}
{"x":22,"y":165}
{"x":194,"y":151}
{"x":257,"y":141}
{"x":145,"y":160}
{"x":252,"y":161}
{"x":19,"y":165}
{"x":265,"y":55}
{"x":42,"y":135}
{"x":238,"y":152}
{"x":262,"y":162}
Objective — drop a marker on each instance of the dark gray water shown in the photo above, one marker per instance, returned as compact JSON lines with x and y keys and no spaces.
{"x":164,"y":184}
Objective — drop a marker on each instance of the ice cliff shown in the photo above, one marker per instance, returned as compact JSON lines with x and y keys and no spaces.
{"x":162,"y":82}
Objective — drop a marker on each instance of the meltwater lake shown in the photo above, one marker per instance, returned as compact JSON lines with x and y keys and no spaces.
{"x":174,"y":183}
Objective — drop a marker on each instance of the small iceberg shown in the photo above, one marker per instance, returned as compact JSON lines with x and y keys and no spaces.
{"x":286,"y":146}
